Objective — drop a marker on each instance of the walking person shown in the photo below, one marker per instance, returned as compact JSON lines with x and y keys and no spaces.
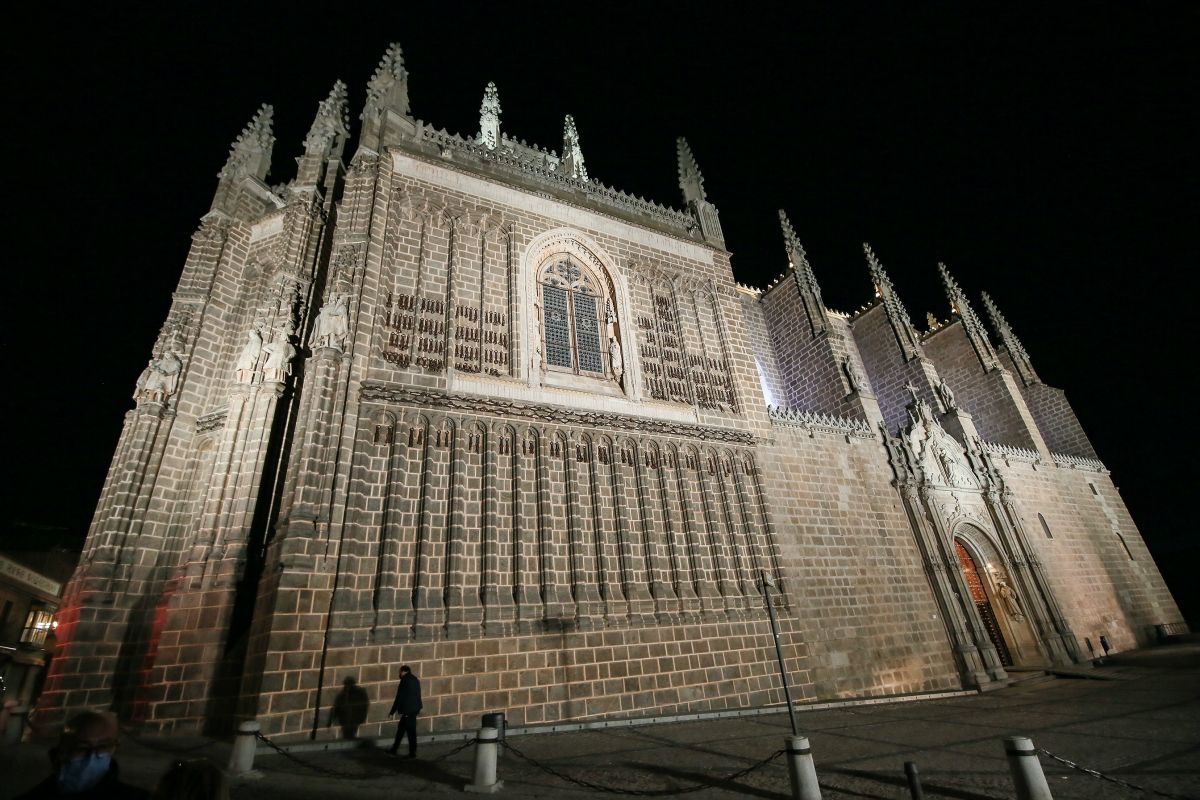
{"x":407,"y":705}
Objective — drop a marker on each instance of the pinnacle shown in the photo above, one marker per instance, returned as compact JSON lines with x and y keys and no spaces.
{"x":994,"y":311}
{"x":690,"y":179}
{"x":873,"y":260}
{"x":951,"y":285}
{"x":791,"y":241}
{"x":392,"y":62}
{"x":334,"y":106}
{"x":260,"y":124}
{"x":491,"y":99}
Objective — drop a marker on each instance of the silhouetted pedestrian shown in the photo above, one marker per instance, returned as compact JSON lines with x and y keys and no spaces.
{"x":407,"y":705}
{"x":350,"y":708}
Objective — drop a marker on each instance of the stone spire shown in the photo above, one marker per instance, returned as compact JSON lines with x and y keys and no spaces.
{"x":251,"y":151}
{"x":1012,"y":344}
{"x":971,"y":324}
{"x":326,"y":138}
{"x":388,"y":87}
{"x":906,"y":334}
{"x":691,"y":182}
{"x":572,"y":157}
{"x":249,"y":157}
{"x":489,"y":118}
{"x":690,"y":179}
{"x":385,"y":114}
{"x":806,"y":280}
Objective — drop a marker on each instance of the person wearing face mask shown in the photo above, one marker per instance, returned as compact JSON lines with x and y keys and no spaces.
{"x":82,"y":763}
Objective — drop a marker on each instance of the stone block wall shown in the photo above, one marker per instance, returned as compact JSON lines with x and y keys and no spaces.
{"x":887,"y":370}
{"x":1097,"y":563}
{"x":856,"y":581}
{"x":991,"y":397}
{"x":761,"y":348}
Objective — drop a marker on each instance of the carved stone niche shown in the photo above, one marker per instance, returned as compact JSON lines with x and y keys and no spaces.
{"x":941,"y":457}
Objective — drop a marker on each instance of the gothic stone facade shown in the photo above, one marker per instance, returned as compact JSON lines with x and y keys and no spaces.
{"x":454,"y":404}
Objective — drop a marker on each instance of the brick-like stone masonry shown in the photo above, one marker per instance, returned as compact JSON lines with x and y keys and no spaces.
{"x":350,"y":451}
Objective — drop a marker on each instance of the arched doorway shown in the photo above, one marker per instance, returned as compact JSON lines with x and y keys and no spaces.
{"x":976,"y":585}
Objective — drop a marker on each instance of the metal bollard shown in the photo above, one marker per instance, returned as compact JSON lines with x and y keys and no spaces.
{"x":486,"y":745}
{"x":914,"y":780}
{"x":1027,"y":775}
{"x":241,"y":758}
{"x":801,"y":771}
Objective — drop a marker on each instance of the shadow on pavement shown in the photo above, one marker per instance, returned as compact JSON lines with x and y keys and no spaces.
{"x":895,"y":780}
{"x":691,"y":778}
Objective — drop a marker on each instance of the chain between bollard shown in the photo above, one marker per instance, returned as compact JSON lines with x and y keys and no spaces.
{"x":337,"y":773}
{"x":1098,"y":774}
{"x":641,"y":792}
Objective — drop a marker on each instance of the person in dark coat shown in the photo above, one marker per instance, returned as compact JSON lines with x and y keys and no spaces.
{"x":350,"y":708}
{"x":82,"y":764}
{"x":407,"y":705}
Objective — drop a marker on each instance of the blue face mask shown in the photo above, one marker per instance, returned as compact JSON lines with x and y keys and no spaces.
{"x":82,"y":774}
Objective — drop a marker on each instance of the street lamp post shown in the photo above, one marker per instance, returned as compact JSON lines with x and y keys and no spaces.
{"x":769,"y":583}
{"x":802,"y":772}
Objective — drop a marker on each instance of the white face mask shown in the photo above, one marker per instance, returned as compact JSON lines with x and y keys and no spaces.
{"x":81,"y":774}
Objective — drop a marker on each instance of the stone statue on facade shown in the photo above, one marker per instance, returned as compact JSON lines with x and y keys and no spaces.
{"x":160,"y":378}
{"x":851,"y":376}
{"x":946,"y":394}
{"x":279,"y":354}
{"x":615,"y":358}
{"x":248,"y":359}
{"x":1009,"y":598}
{"x":333,"y":323}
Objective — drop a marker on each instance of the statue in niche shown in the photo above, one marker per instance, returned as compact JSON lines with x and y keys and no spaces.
{"x":1009,"y":598}
{"x":333,"y":323}
{"x":851,"y":376}
{"x":248,"y":359}
{"x":279,"y":354}
{"x":160,"y":378}
{"x":615,"y":359}
{"x":946,"y":394}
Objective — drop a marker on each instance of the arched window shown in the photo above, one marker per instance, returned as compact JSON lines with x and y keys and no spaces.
{"x":1045,"y":527}
{"x":573,"y":303}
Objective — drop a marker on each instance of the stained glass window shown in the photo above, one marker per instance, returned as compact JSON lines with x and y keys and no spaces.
{"x":572,"y":321}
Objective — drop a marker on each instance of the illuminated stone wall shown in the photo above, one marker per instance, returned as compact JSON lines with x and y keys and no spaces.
{"x":352,"y":448}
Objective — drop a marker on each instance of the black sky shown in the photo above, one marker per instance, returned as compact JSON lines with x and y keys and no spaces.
{"x":1047,"y":156}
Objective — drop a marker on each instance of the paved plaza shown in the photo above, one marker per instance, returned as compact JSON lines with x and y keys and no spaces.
{"x":1136,"y":719}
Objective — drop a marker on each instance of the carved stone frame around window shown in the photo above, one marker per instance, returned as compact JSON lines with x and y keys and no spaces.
{"x":567,"y":260}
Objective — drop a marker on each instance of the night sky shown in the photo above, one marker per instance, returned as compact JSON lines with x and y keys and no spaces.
{"x":1049,"y":157}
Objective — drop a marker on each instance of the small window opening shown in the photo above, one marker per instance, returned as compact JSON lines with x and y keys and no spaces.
{"x":1045,"y":527}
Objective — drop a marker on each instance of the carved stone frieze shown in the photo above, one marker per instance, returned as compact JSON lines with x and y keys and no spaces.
{"x":212,"y":421}
{"x":390,"y":393}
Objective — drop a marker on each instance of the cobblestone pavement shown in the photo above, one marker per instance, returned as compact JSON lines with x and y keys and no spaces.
{"x":1137,"y":720}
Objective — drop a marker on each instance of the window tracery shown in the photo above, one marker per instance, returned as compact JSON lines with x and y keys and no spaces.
{"x":573,"y":302}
